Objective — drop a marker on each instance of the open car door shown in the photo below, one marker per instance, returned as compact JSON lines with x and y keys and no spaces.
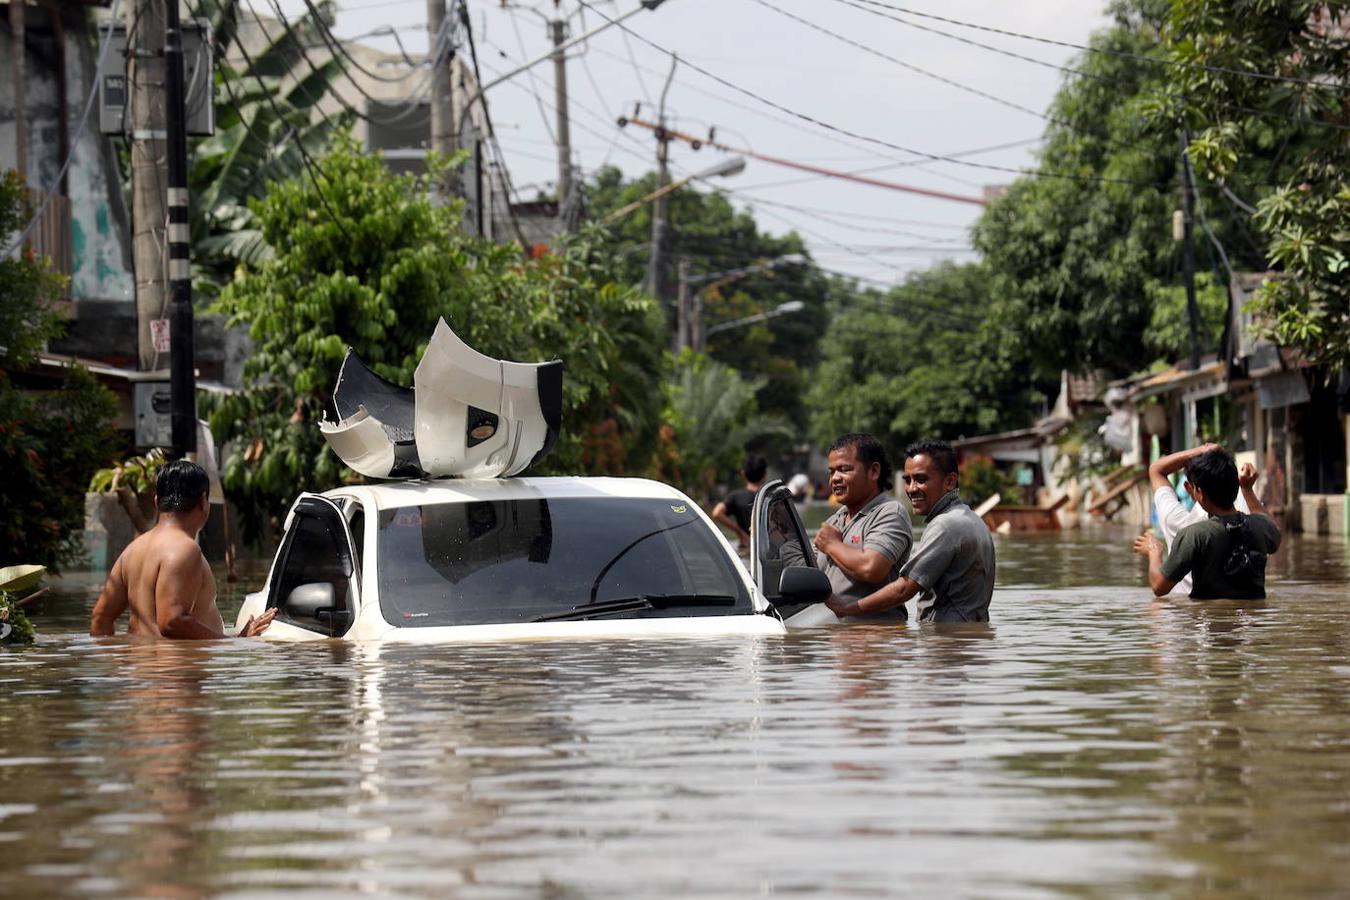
{"x":314,"y":584}
{"x":778,"y":542}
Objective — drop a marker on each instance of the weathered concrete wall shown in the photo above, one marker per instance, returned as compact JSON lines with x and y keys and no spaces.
{"x":101,"y":262}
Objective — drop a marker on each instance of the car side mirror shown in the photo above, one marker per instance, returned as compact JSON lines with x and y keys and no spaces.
{"x":803,"y":585}
{"x":306,"y":601}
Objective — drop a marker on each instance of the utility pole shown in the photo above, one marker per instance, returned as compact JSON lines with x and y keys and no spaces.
{"x":1188,"y":251}
{"x":683,"y":308}
{"x":18,"y":41}
{"x":182,"y":379}
{"x":442,"y":92}
{"x":557,"y":28}
{"x":145,"y":78}
{"x":656,"y":279}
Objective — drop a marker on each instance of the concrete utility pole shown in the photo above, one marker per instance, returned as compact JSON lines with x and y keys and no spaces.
{"x":182,"y":356}
{"x":1188,"y":252}
{"x":145,"y":79}
{"x":19,"y":39}
{"x":442,"y":93}
{"x":684,"y":312}
{"x":558,"y":30}
{"x":656,"y":264}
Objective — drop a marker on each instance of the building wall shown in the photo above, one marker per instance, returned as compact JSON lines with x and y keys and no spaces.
{"x":101,"y":261}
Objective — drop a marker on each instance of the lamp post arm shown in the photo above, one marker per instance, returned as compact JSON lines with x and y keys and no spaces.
{"x":654,"y":195}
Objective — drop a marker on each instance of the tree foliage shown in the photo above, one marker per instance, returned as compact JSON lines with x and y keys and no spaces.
{"x":50,"y":441}
{"x":713,"y":236}
{"x":1080,"y":254}
{"x":371,"y":263}
{"x":1280,"y":143}
{"x":921,"y":361}
{"x":710,"y":420}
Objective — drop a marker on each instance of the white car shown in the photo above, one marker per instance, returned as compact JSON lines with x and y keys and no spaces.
{"x":528,"y":558}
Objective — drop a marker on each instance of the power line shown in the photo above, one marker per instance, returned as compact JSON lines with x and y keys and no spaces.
{"x":885,"y":167}
{"x":1072,"y":71}
{"x":310,"y":166}
{"x":534,"y":85}
{"x":337,"y":48}
{"x":910,"y":66}
{"x":1246,"y":73}
{"x":492,"y":133}
{"x":820,"y":123}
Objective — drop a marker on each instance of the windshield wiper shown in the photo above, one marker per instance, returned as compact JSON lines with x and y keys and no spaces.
{"x":633,"y":604}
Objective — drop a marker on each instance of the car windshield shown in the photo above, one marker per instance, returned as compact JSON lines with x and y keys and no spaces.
{"x":501,"y":561}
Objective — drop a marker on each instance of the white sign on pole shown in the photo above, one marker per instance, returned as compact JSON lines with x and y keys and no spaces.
{"x":159,"y":335}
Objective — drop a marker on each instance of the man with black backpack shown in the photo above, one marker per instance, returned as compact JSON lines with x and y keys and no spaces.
{"x":1224,"y":554}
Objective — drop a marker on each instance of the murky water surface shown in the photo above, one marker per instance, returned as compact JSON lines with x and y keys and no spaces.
{"x":1088,"y":742}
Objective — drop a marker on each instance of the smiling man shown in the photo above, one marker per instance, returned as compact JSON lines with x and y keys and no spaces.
{"x":952,"y":569}
{"x":863,"y":545}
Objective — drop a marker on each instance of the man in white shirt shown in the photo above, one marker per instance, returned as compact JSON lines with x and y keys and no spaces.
{"x":1173,"y":516}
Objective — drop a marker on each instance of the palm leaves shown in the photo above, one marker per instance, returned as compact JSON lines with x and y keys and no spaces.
{"x":268,"y":119}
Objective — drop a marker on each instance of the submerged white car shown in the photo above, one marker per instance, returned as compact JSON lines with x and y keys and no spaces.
{"x":529,"y":558}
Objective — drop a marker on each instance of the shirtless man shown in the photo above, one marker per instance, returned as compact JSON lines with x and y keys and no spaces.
{"x":162,"y":576}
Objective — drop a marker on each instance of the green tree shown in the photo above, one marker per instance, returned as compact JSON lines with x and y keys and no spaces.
{"x":712,"y":418}
{"x":1278,"y":141}
{"x":1078,"y":258}
{"x":713,"y":236}
{"x":921,"y":361}
{"x":371,"y":263}
{"x":1168,"y":336}
{"x":52,"y":441}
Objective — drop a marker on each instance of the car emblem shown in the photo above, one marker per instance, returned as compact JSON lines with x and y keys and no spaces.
{"x":678,"y":509}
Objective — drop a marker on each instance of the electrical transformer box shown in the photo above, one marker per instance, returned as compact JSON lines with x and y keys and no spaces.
{"x":114,"y":93}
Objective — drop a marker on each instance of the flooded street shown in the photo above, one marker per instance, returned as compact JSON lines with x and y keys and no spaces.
{"x":1089,"y":741}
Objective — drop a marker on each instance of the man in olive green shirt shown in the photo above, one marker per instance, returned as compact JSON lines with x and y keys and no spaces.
{"x":1224,"y":554}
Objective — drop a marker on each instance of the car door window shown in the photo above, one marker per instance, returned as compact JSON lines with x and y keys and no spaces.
{"x":779,"y":540}
{"x":316,"y":552}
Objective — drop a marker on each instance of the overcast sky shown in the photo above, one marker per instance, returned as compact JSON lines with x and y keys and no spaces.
{"x":866,"y":231}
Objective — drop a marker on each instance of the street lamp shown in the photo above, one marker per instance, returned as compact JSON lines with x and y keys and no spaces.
{"x":689,"y":311}
{"x":783,"y":309}
{"x":732,"y":165}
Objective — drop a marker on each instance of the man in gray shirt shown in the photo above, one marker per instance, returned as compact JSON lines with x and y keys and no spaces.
{"x":863,"y":545}
{"x":952,"y":569}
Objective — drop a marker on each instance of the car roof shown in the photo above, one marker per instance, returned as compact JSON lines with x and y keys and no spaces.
{"x":390,"y":495}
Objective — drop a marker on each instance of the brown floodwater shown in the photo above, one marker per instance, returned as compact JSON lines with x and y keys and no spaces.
{"x":1089,"y":741}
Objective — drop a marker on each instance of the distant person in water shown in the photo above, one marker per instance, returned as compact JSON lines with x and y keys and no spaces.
{"x":1172,"y":515}
{"x":1224,"y":553}
{"x":862,"y":546}
{"x":952,"y":570}
{"x":734,"y":510}
{"x":162,"y":577}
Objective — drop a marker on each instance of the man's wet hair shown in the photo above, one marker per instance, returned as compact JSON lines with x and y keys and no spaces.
{"x":940,"y":452}
{"x":180,"y":485}
{"x":1215,"y":473}
{"x":868,"y":450}
{"x":755,"y":468}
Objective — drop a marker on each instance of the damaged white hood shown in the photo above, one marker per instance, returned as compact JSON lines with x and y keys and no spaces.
{"x":467,"y":415}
